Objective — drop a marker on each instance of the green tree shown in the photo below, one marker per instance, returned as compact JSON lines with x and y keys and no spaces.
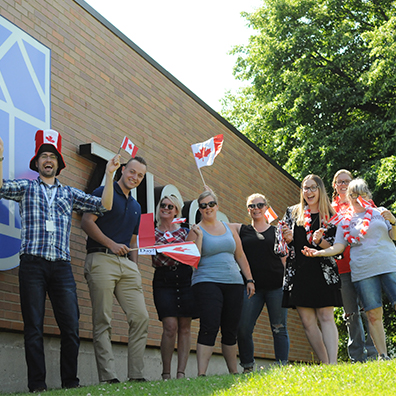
{"x":322,"y":96}
{"x":322,"y":92}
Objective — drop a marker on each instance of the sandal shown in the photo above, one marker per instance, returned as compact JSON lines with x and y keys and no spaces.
{"x":166,"y":376}
{"x":181,"y":374}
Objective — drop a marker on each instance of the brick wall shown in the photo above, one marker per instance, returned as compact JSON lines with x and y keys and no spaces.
{"x":102,"y":89}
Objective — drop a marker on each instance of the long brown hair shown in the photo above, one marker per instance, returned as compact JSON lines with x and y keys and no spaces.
{"x":325,"y":208}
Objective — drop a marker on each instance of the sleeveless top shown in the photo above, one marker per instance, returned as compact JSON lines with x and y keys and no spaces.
{"x":217,"y":262}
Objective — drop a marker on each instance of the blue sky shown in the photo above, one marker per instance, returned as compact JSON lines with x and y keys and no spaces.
{"x":189,"y":39}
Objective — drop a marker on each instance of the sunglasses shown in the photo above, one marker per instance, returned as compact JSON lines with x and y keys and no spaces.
{"x":260,"y":205}
{"x":211,"y":204}
{"x":356,"y":195}
{"x":165,"y":206}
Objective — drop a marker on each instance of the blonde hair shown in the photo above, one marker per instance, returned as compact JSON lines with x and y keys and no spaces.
{"x":175,"y":201}
{"x":338,"y":173}
{"x":257,"y":195}
{"x":360,"y":187}
{"x":325,"y":208}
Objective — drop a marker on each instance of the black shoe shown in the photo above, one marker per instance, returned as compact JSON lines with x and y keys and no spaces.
{"x":112,"y":381}
{"x":137,"y":380}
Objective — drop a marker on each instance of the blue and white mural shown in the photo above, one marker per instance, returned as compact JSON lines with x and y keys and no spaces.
{"x":24,"y":108}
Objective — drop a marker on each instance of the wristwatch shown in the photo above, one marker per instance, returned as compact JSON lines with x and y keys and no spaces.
{"x":250,"y":281}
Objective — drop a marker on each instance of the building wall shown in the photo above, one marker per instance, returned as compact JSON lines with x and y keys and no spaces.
{"x":103,"y":87}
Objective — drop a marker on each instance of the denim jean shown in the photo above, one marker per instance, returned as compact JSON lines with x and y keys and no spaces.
{"x":360,"y":348}
{"x":278,"y":320}
{"x":370,"y":290}
{"x":37,"y":277}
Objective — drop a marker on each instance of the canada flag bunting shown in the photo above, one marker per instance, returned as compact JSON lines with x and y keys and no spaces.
{"x":129,"y":147}
{"x":206,"y":152}
{"x":185,"y":252}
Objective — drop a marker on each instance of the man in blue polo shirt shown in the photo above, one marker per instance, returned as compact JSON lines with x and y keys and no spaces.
{"x":111,"y":269}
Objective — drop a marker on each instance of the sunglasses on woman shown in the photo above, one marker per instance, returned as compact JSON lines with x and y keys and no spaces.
{"x":165,"y":206}
{"x":260,"y":205}
{"x":211,"y":204}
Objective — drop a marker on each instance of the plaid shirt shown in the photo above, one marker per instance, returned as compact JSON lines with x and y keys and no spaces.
{"x":160,"y":260}
{"x":35,"y":212}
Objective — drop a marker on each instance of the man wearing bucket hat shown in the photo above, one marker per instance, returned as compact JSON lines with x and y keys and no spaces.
{"x":46,"y":212}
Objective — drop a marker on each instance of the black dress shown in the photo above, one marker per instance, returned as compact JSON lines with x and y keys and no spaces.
{"x":311,"y":282}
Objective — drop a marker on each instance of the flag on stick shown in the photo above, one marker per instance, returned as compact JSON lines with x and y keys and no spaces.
{"x":146,"y":230}
{"x":179,"y":220}
{"x":129,"y":147}
{"x":270,"y":215}
{"x":186,"y":252}
{"x":206,"y":152}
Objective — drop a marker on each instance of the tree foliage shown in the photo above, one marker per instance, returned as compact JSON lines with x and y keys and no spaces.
{"x":322,"y":88}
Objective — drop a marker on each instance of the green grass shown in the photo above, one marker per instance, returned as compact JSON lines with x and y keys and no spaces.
{"x":374,"y":378}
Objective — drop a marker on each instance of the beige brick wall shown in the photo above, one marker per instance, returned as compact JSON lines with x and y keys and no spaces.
{"x":102,"y":90}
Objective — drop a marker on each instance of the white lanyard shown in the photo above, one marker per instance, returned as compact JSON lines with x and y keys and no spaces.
{"x":49,"y":201}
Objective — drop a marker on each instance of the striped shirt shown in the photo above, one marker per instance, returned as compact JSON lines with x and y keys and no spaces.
{"x":45,"y":229}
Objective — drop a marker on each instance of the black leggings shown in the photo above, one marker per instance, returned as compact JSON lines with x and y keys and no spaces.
{"x":219,"y":305}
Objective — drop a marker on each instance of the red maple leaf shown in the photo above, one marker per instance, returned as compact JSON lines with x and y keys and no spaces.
{"x":50,"y":139}
{"x":204,"y":152}
{"x":180,"y":249}
{"x":130,"y":146}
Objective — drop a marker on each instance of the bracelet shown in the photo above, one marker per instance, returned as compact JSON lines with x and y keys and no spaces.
{"x":392,"y":224}
{"x":250,"y":281}
{"x":1,"y":159}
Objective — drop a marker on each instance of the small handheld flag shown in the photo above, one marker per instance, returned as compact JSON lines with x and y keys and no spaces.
{"x":206,"y":152}
{"x":129,"y":147}
{"x":270,"y":215}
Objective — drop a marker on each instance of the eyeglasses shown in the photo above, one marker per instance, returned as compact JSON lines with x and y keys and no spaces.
{"x":312,"y":188}
{"x":165,"y":206}
{"x":260,"y":205}
{"x":341,"y":182}
{"x":211,"y":204}
{"x":52,"y":157}
{"x":357,"y":195}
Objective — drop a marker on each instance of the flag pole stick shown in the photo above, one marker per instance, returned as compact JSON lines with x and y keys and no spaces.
{"x":203,"y":181}
{"x":119,"y":151}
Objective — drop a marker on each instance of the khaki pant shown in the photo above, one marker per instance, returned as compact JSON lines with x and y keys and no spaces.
{"x":108,"y":275}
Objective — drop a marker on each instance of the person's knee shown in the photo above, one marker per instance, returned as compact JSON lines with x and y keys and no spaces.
{"x":278,"y":329}
{"x":374,"y":315}
{"x":207,"y":338}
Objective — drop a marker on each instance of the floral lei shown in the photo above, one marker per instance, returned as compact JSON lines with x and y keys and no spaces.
{"x":363,"y":231}
{"x":307,"y":224}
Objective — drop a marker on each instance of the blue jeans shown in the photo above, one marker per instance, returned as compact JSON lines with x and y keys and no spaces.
{"x":37,"y":277}
{"x":359,"y":348}
{"x":370,"y":290}
{"x":278,"y":320}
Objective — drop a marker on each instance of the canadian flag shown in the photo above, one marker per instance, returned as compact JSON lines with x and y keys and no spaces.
{"x":186,"y":252}
{"x":363,"y":203}
{"x":206,"y":152}
{"x":336,"y":219}
{"x":169,"y":237}
{"x":178,"y":220}
{"x":129,"y":147}
{"x":270,"y":215}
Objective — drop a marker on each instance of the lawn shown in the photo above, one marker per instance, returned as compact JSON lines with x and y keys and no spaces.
{"x":373,"y":378}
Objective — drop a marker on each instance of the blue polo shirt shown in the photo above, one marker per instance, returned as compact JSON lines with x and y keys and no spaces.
{"x":121,"y":222}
